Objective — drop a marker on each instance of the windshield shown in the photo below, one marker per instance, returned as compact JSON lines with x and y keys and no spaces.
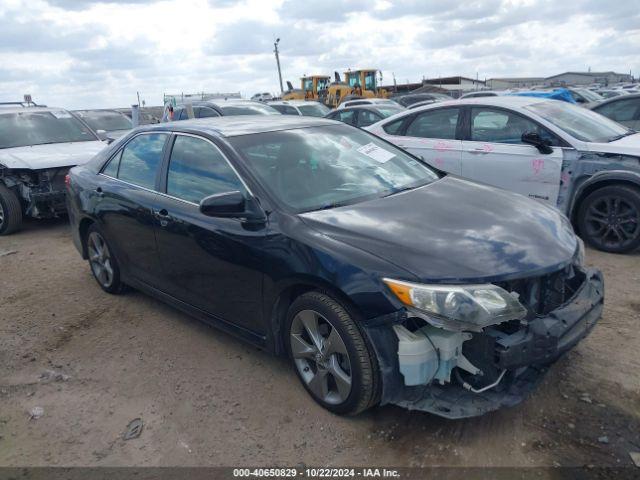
{"x":37,"y":128}
{"x":314,"y":110}
{"x":326,"y":167}
{"x":579,"y":122}
{"x":102,"y":120}
{"x":589,"y":95}
{"x":248,"y":109}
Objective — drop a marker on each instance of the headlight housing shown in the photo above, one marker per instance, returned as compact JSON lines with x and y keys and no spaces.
{"x":469,"y":306}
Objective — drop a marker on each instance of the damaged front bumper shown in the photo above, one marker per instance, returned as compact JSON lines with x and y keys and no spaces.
{"x":512,"y":358}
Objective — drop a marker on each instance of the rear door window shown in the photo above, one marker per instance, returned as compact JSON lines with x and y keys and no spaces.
{"x":140,"y":159}
{"x":346,"y":116}
{"x":366,"y":118}
{"x":393,"y":128}
{"x":204,"y":112}
{"x":440,"y":123}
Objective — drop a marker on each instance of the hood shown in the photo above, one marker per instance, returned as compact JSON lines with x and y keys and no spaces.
{"x":454,"y":230}
{"x":629,"y":145}
{"x":38,"y":157}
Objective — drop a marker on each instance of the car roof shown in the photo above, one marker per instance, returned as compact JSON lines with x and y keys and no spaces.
{"x":293,"y":103}
{"x":220,"y":102}
{"x":619,"y":98}
{"x":98,"y":110}
{"x":235,"y":125}
{"x":17,"y":109}
{"x":373,"y":107}
{"x":497,"y":101}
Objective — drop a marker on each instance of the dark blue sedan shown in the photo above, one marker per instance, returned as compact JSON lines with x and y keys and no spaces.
{"x":384,"y":280}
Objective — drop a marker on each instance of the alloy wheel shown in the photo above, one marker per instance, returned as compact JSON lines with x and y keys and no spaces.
{"x":1,"y":215}
{"x":100,"y":259}
{"x":321,"y":357}
{"x":612,"y":221}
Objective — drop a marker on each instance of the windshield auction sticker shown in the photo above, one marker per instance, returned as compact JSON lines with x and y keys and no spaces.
{"x":371,"y":150}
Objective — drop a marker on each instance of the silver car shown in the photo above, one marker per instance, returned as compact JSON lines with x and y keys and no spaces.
{"x":37,"y":147}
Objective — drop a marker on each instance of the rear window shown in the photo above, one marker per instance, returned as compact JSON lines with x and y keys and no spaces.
{"x":39,"y":128}
{"x":105,"y":120}
{"x":314,"y":110}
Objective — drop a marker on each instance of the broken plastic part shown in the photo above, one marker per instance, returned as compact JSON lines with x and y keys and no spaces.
{"x":417,"y":357}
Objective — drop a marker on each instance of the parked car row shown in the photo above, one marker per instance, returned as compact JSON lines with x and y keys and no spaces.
{"x":391,"y":263}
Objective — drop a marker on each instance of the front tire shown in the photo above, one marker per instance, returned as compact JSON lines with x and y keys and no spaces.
{"x":10,"y":211}
{"x":609,"y":219}
{"x":104,"y":265}
{"x":330,"y":355}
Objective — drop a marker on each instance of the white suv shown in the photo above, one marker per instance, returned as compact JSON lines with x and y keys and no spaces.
{"x":38,"y":145}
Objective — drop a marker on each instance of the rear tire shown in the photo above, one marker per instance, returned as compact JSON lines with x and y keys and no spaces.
{"x":330,"y":355}
{"x":609,"y":218}
{"x":103,"y":263}
{"x":10,"y":211}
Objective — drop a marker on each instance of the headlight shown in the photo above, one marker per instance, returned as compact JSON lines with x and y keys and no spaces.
{"x":474,"y":305}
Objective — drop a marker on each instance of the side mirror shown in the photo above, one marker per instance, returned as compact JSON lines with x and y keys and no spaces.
{"x":532,"y":138}
{"x":103,"y":136}
{"x":230,"y":205}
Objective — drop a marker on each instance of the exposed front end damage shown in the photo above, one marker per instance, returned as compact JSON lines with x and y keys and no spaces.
{"x":41,"y":192}
{"x":469,"y":373}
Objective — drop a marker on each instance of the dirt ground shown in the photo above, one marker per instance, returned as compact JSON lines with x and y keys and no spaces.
{"x":93,"y":362}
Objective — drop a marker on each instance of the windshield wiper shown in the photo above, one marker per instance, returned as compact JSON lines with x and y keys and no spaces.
{"x":330,"y":206}
{"x":401,"y":189}
{"x":622,"y":135}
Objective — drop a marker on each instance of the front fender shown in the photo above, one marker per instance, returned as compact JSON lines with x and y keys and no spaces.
{"x":603,"y":178}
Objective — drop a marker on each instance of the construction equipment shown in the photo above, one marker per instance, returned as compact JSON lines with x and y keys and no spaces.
{"x":364,"y":83}
{"x":312,"y":88}
{"x":360,"y":83}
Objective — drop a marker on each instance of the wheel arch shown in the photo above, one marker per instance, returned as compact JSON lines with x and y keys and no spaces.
{"x":600,"y":180}
{"x":292,"y":289}
{"x":83,"y":228}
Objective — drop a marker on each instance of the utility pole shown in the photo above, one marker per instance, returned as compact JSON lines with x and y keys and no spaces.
{"x":275,"y":45}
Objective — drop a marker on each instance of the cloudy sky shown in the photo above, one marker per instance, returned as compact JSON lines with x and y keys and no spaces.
{"x":86,"y":53}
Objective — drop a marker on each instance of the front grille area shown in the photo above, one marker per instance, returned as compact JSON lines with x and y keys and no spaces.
{"x":541,"y":295}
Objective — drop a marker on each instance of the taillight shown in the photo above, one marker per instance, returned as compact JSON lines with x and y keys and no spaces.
{"x":67,"y":180}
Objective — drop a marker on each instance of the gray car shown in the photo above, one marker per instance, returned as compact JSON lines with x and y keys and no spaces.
{"x":624,"y":109}
{"x":301,"y":108}
{"x":111,"y":124}
{"x":221,"y":108}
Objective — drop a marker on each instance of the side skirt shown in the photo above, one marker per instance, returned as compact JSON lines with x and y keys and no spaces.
{"x":253,"y":338}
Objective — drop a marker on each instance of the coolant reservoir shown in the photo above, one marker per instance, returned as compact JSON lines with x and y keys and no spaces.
{"x":417,"y":357}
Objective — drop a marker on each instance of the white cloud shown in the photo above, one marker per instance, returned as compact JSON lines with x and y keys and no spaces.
{"x":86,"y":53}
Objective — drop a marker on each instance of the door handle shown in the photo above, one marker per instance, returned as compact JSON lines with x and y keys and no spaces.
{"x":162,"y":213}
{"x":163,"y":216}
{"x":479,"y":150}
